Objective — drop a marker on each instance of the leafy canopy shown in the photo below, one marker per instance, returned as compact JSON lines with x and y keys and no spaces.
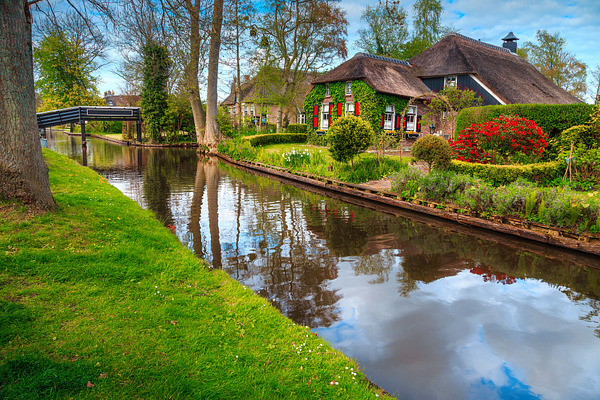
{"x":65,"y":73}
{"x":551,"y":57}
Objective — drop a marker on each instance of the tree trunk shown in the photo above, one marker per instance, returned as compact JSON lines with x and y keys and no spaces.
{"x":191,"y":73}
{"x":238,"y":82}
{"x":213,"y":134}
{"x":23,"y":171}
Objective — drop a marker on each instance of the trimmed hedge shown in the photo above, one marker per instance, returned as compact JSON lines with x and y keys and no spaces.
{"x":296,"y":128}
{"x":270,"y":138}
{"x":552,"y":118}
{"x":504,"y":174}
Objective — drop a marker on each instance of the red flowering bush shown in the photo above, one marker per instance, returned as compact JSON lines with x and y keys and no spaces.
{"x":503,"y":140}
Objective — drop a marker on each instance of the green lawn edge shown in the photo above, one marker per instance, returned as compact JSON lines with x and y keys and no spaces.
{"x":99,"y":300}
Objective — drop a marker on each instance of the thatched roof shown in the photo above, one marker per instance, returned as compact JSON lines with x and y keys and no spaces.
{"x":384,"y":74}
{"x":510,"y":77}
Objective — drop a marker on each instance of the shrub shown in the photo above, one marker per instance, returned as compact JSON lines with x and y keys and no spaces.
{"x":504,"y":174}
{"x":504,"y":140}
{"x":434,"y":150}
{"x":348,"y":136}
{"x":270,"y":138}
{"x":296,"y":128}
{"x":552,"y":118}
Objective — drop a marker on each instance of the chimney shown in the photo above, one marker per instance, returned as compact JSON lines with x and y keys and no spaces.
{"x":510,"y":42}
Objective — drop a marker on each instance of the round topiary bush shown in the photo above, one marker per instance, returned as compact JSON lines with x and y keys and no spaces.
{"x":348,"y":136}
{"x":434,"y":150}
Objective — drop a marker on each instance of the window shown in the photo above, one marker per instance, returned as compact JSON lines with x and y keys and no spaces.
{"x":327,"y":89}
{"x":301,"y":118}
{"x":245,"y":109}
{"x":325,"y":116}
{"x":388,"y":119}
{"x":348,"y":87}
{"x":411,"y":118}
{"x":349,"y":108}
{"x":450,"y":81}
{"x":251,"y":109}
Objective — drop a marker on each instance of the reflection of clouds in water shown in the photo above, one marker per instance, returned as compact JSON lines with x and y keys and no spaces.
{"x":462,"y":338}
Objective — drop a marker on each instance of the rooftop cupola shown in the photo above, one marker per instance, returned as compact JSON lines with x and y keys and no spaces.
{"x":510,"y":42}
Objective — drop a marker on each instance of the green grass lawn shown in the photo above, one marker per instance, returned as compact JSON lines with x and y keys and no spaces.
{"x":317,"y":160}
{"x":99,"y":300}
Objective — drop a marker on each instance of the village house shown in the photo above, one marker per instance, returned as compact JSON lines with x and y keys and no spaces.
{"x":379,"y":88}
{"x":256,"y":102}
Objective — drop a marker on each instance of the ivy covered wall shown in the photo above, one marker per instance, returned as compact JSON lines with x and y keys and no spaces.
{"x":371,"y":104}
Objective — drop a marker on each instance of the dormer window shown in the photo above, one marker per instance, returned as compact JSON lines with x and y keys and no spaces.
{"x":327,"y":89}
{"x":348,"y":88}
{"x":450,"y":81}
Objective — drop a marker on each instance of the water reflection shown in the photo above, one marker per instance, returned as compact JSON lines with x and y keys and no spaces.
{"x":429,"y":311}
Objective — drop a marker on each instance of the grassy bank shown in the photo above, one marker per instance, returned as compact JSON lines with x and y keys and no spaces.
{"x":316,"y":160}
{"x":98,"y":300}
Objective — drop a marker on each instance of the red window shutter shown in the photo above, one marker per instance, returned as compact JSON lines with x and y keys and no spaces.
{"x":356,"y":109}
{"x":419,"y":123}
{"x":382,"y":117}
{"x":404,"y":123}
{"x":316,"y":117}
{"x":339,"y":110}
{"x":397,"y":124}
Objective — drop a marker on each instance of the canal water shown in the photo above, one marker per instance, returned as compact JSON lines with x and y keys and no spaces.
{"x":429,"y":310}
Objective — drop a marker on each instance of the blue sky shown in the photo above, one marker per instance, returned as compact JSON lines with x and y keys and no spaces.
{"x":577,"y":21}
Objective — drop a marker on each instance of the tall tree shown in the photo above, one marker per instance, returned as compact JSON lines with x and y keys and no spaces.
{"x":154,"y":93}
{"x":301,"y":36}
{"x":595,"y":86}
{"x":65,"y":72}
{"x":213,"y":135}
{"x":550,"y":56}
{"x":387,"y":30}
{"x":427,"y":29}
{"x":23,"y":172}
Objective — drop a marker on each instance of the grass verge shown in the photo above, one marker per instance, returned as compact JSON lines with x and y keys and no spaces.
{"x":99,"y":300}
{"x":317,"y":160}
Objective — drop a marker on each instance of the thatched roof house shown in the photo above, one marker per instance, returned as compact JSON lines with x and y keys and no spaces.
{"x":495,"y":72}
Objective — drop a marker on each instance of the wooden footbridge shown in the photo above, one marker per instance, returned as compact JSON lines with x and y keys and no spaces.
{"x":79,"y":115}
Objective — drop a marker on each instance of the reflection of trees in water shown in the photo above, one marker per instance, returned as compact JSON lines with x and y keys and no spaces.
{"x":156,"y":187}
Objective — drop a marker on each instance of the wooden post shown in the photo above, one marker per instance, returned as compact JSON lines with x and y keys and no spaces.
{"x":83,"y":141}
{"x":71,"y":127}
{"x":138,"y":128}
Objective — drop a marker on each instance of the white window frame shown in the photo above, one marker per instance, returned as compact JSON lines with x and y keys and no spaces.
{"x":251,"y":109}
{"x":301,"y":119}
{"x":349,"y":108}
{"x":411,"y":119}
{"x":450,"y":81}
{"x":388,"y":120}
{"x":245,"y":109}
{"x":325,"y":116}
{"x":348,"y":88}
{"x":327,"y":89}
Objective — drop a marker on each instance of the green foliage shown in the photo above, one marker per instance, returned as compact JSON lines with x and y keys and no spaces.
{"x":269,"y":138}
{"x":504,"y":174}
{"x":555,"y":206}
{"x":577,"y":135}
{"x":552,"y":59}
{"x":296,"y":128}
{"x":434,"y":150}
{"x":348,"y":136}
{"x":154,"y":90}
{"x":315,"y":96}
{"x":386,"y":30}
{"x":65,"y":73}
{"x":178,"y":116}
{"x":225,"y":122}
{"x":552,"y":118}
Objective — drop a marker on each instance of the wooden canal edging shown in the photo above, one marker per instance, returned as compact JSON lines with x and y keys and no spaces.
{"x":586,"y":243}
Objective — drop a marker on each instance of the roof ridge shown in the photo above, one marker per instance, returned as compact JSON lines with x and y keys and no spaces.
{"x":488,"y":45}
{"x":383,"y":58}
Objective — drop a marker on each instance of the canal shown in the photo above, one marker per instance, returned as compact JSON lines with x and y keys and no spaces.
{"x":430,"y":310}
